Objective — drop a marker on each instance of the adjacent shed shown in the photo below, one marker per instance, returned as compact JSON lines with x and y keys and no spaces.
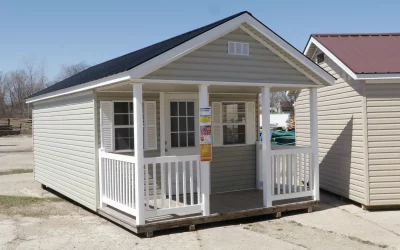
{"x":359,"y":130}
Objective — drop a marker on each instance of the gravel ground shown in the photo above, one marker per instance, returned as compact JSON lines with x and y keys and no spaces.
{"x":32,"y":218}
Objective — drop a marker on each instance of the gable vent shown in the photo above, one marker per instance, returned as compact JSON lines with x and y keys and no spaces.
{"x":238,"y":48}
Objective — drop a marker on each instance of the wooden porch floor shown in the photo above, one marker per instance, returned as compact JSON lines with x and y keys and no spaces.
{"x":223,"y":206}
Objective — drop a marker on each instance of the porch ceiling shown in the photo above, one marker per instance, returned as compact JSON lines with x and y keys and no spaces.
{"x":190,"y":88}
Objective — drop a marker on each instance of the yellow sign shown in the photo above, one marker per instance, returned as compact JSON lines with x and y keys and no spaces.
{"x":205,"y":152}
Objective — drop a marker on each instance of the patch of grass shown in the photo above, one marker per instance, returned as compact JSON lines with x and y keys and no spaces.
{"x":16,"y":171}
{"x":18,"y":201}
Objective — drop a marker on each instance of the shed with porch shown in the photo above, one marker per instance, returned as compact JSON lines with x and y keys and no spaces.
{"x":122,"y":137}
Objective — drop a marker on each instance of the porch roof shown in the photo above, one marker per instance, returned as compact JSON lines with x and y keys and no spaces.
{"x":128,"y":62}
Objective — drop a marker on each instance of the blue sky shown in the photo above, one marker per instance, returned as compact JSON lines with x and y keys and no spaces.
{"x":67,"y":32}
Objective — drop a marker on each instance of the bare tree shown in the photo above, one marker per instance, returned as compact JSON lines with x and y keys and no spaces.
{"x":70,"y":70}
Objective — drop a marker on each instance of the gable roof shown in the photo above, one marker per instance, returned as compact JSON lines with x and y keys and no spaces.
{"x":361,"y":53}
{"x":141,"y":60}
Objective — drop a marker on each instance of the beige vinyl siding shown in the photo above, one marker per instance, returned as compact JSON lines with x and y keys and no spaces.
{"x":340,"y":135}
{"x":234,"y":167}
{"x":213,"y":63}
{"x":383,"y":114}
{"x":128,"y":96}
{"x":64,"y":147}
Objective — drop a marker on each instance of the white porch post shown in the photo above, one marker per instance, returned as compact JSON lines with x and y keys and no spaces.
{"x":266,"y":148}
{"x":314,"y":139}
{"x":204,"y":166}
{"x":138,"y":143}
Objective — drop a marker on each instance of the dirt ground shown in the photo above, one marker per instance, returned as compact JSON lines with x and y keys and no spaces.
{"x":31,"y":218}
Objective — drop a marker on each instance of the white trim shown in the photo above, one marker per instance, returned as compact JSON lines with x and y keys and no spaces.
{"x":266,"y":149}
{"x":162,"y":124}
{"x":378,"y":76}
{"x":283,"y":57}
{"x":138,"y":138}
{"x":124,"y":76}
{"x":314,"y":140}
{"x":247,"y":84}
{"x":365,"y":142}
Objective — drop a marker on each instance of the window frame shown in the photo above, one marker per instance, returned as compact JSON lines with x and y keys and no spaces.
{"x":122,"y":126}
{"x":236,"y":123}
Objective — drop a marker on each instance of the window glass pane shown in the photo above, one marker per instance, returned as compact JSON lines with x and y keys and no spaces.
{"x":121,"y":132}
{"x":130,"y":107}
{"x":190,"y":108}
{"x":131,"y":143}
{"x":182,"y":108}
{"x":190,"y":121}
{"x":174,"y":108}
{"x":174,"y":140}
{"x":182,"y":124}
{"x":121,"y":119}
{"x":191,"y":140}
{"x":234,"y":134}
{"x":121,"y":143}
{"x":174,"y":124}
{"x":131,"y":119}
{"x":234,"y":112}
{"x":120,"y":107}
{"x":182,"y":140}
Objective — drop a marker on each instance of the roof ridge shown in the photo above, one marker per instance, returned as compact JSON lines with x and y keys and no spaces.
{"x":355,"y":34}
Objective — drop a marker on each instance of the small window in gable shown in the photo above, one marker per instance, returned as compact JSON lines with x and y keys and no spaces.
{"x":321,"y":58}
{"x":238,"y":48}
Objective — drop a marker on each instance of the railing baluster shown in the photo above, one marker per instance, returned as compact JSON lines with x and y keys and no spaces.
{"x":169,"y":185}
{"x":114,"y":169}
{"x":124,"y":183}
{"x":273,"y":171}
{"x":162,"y":184}
{"x":289,"y":173}
{"x":304,"y":171}
{"x":284,"y":167}
{"x":184,"y":182}
{"x":146,"y":168}
{"x":191,"y":182}
{"x":311,"y":171}
{"x":279,"y":174}
{"x":133,"y":185}
{"x":155,"y":186}
{"x":177,"y":184}
{"x":198,"y":181}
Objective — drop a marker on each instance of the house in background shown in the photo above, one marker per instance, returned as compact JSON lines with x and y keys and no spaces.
{"x":359,"y":116}
{"x":122,"y":138}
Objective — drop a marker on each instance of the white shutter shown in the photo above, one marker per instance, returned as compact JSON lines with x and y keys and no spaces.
{"x":150,"y":125}
{"x":250,"y":123}
{"x":217,"y":131}
{"x":106,"y":125}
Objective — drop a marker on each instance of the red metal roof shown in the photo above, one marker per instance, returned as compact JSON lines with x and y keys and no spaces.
{"x":365,"y":53}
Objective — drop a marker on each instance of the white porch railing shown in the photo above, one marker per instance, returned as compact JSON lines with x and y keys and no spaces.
{"x":291,"y":173}
{"x":117,"y":183}
{"x":172,"y":185}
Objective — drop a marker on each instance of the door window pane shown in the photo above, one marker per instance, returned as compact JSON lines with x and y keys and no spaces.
{"x":182,"y":124}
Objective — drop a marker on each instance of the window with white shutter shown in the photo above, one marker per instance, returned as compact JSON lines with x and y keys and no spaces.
{"x":117,"y":125}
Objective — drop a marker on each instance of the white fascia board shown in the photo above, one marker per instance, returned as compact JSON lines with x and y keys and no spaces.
{"x":330,"y":55}
{"x":187,"y":47}
{"x":290,"y":50}
{"x":124,"y":76}
{"x":394,"y":76}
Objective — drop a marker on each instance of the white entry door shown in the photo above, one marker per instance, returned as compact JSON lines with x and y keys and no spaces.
{"x":181,"y":124}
